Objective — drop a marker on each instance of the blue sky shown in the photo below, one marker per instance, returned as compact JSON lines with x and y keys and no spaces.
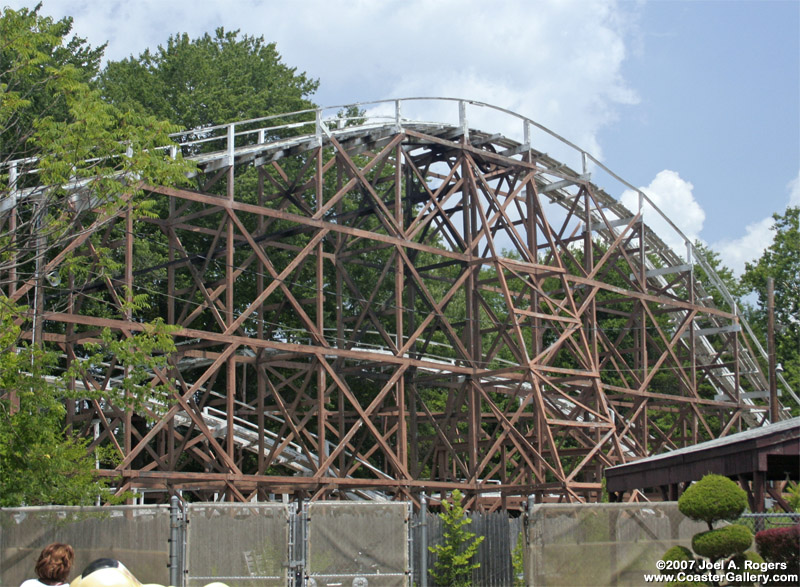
{"x":698,"y":103}
{"x":719,"y":102}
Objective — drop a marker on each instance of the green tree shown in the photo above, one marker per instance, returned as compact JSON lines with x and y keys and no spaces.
{"x":37,"y":63}
{"x":60,"y":141}
{"x":84,"y":163}
{"x":781,"y":261}
{"x":38,"y":463}
{"x":208,"y":80}
{"x":725,"y":274}
{"x":453,"y":566}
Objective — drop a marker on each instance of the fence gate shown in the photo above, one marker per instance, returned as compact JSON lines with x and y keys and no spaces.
{"x":364,"y":544}
{"x":242,"y":545}
{"x":572,"y":545}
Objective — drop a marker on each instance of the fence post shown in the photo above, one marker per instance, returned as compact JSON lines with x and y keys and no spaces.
{"x":175,"y":542}
{"x":300,"y":543}
{"x":528,"y":562}
{"x":423,"y":539}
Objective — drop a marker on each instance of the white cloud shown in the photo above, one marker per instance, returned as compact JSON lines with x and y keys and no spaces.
{"x":794,"y":191}
{"x":674,"y":197}
{"x":558,"y":62}
{"x":734,"y":253}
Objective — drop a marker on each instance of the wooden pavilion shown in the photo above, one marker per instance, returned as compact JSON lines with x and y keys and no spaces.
{"x":761,"y":460}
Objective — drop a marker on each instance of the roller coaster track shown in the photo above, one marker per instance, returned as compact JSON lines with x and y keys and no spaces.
{"x":376,"y":306}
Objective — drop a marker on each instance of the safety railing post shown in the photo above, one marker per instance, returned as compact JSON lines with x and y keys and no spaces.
{"x":397,"y":114}
{"x":299,"y":561}
{"x":318,"y":127}
{"x":526,"y":134}
{"x":410,"y":544}
{"x":231,"y":143}
{"x":462,"y":118}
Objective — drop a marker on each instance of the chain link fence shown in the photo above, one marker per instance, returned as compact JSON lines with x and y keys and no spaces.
{"x":602,"y":544}
{"x":136,"y":535}
{"x":500,"y":531}
{"x":240,"y":544}
{"x":352,"y":544}
{"x":357,"y":544}
{"x":758,"y":522}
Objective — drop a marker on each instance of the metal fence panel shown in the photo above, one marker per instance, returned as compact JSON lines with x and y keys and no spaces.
{"x":239,"y":544}
{"x":602,"y":544}
{"x":135,"y":535}
{"x":494,"y":553}
{"x":357,"y":544}
{"x":758,"y":522}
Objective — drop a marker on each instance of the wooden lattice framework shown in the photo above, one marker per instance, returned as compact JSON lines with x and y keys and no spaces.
{"x":386,"y":308}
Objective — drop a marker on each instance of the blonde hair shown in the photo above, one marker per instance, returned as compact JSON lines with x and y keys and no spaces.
{"x":55,"y":562}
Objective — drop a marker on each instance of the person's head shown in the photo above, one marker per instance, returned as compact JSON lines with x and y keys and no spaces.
{"x":55,"y":562}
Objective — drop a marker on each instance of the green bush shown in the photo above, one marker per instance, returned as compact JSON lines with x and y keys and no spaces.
{"x":750,"y":555}
{"x":738,"y":561}
{"x":722,"y":542}
{"x":713,"y":498}
{"x":454,"y":556}
{"x":678,"y":553}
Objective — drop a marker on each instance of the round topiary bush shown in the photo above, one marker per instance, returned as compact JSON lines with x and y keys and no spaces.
{"x":678,"y":553}
{"x":713,"y":498}
{"x":750,"y":555}
{"x":722,"y":542}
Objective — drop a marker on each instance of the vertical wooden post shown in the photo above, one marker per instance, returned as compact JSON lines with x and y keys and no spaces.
{"x":399,"y":283}
{"x":261,"y":375}
{"x":774,"y":408}
{"x":322,"y":416}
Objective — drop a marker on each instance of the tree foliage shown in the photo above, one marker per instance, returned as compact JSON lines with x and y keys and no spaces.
{"x":65,"y":151}
{"x":781,"y":261}
{"x":208,"y":80}
{"x":67,"y":158}
{"x":38,"y":65}
{"x":454,"y":563}
{"x":38,"y":464}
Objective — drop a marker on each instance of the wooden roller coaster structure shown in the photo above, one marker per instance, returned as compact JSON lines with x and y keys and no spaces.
{"x":376,"y":307}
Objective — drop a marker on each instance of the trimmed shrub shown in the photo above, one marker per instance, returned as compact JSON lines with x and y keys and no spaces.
{"x":781,"y":545}
{"x":713,"y":498}
{"x":738,"y":561}
{"x":678,"y":553}
{"x":750,"y":555}
{"x":722,"y":542}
